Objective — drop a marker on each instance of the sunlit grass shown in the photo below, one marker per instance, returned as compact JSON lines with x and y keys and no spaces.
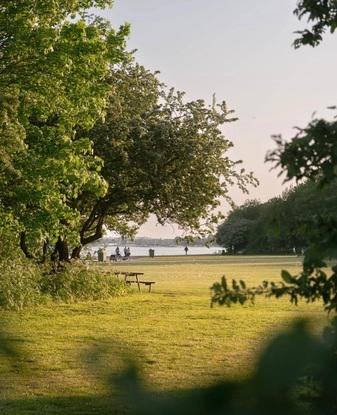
{"x":174,"y":336}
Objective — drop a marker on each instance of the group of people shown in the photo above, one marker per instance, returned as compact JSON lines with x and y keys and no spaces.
{"x":118,"y":255}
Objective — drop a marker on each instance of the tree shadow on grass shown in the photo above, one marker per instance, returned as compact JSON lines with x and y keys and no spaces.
{"x":96,"y":364}
{"x":79,"y":405}
{"x":270,"y":389}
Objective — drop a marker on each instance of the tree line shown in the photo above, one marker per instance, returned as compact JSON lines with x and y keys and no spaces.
{"x":282,"y":225}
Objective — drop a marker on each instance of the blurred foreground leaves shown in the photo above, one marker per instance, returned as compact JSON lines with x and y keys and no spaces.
{"x":296,"y":373}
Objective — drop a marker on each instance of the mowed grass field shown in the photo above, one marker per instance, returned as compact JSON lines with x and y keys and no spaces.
{"x":67,"y":351}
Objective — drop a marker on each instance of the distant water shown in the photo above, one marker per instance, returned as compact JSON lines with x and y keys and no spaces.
{"x":160,"y":250}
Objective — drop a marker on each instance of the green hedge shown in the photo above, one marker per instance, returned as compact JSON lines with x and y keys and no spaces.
{"x":23,"y":284}
{"x":19,"y":284}
{"x":78,"y":283}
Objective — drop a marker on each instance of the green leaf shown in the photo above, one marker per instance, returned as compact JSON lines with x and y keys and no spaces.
{"x":286,"y":276}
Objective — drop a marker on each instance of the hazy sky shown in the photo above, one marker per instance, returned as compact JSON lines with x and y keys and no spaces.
{"x":241,"y":51}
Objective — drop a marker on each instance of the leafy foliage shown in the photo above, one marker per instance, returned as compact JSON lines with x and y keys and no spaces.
{"x":314,"y":282}
{"x":223,"y":295}
{"x":323,"y":16}
{"x":315,"y":285}
{"x":53,"y":80}
{"x":9,"y":246}
{"x":294,"y":219}
{"x":79,"y":283}
{"x":24,"y":284}
{"x":234,"y":234}
{"x":161,"y":155}
{"x":92,"y":139}
{"x":276,"y":386}
{"x":236,"y":231}
{"x":19,"y":283}
{"x":40,"y":114}
{"x":311,"y":154}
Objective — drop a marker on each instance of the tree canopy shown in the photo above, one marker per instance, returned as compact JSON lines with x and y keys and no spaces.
{"x":93,"y":140}
{"x":322,"y":14}
{"x":160,"y":155}
{"x":282,"y":224}
{"x":52,"y":79}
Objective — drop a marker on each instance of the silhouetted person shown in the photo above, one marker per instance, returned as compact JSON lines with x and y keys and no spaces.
{"x":118,"y":254}
{"x":127,"y":252}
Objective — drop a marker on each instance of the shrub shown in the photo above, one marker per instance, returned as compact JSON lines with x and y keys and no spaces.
{"x":19,"y":283}
{"x":8,"y":236}
{"x":23,"y":284}
{"x":79,"y":283}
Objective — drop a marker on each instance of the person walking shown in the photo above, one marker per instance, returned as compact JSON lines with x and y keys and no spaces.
{"x":186,"y":250}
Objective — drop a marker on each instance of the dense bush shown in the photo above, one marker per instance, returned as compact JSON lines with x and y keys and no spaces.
{"x":24,"y":284}
{"x":77,"y":283}
{"x":9,"y":241}
{"x":19,"y":283}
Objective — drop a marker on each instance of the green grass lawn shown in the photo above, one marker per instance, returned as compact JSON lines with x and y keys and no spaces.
{"x":67,"y":351}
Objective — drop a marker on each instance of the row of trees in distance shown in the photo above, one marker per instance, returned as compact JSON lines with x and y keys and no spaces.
{"x":282,"y":225}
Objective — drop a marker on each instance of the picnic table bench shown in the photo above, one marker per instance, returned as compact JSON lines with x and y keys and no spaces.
{"x":127,"y":279}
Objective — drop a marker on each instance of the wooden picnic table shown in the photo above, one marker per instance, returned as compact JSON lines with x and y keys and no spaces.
{"x":128,"y":274}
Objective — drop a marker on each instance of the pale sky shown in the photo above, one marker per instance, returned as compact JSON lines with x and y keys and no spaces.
{"x":241,"y":51}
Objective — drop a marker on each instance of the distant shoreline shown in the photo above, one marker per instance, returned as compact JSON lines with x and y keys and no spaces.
{"x":143,"y":251}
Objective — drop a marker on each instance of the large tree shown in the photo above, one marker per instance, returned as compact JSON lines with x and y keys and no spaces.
{"x":161,"y":155}
{"x":53,"y":81}
{"x":235,"y":232}
{"x":92,"y":143}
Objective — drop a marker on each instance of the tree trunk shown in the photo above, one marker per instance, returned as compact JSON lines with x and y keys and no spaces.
{"x":44,"y":251}
{"x":24,"y":247}
{"x":96,"y":232}
{"x":76,"y":252}
{"x":61,"y":250}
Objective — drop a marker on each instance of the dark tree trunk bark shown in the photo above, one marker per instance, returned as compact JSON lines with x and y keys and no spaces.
{"x":61,"y":250}
{"x":76,"y":252}
{"x":96,"y":232}
{"x":44,"y":251}
{"x":24,"y":247}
